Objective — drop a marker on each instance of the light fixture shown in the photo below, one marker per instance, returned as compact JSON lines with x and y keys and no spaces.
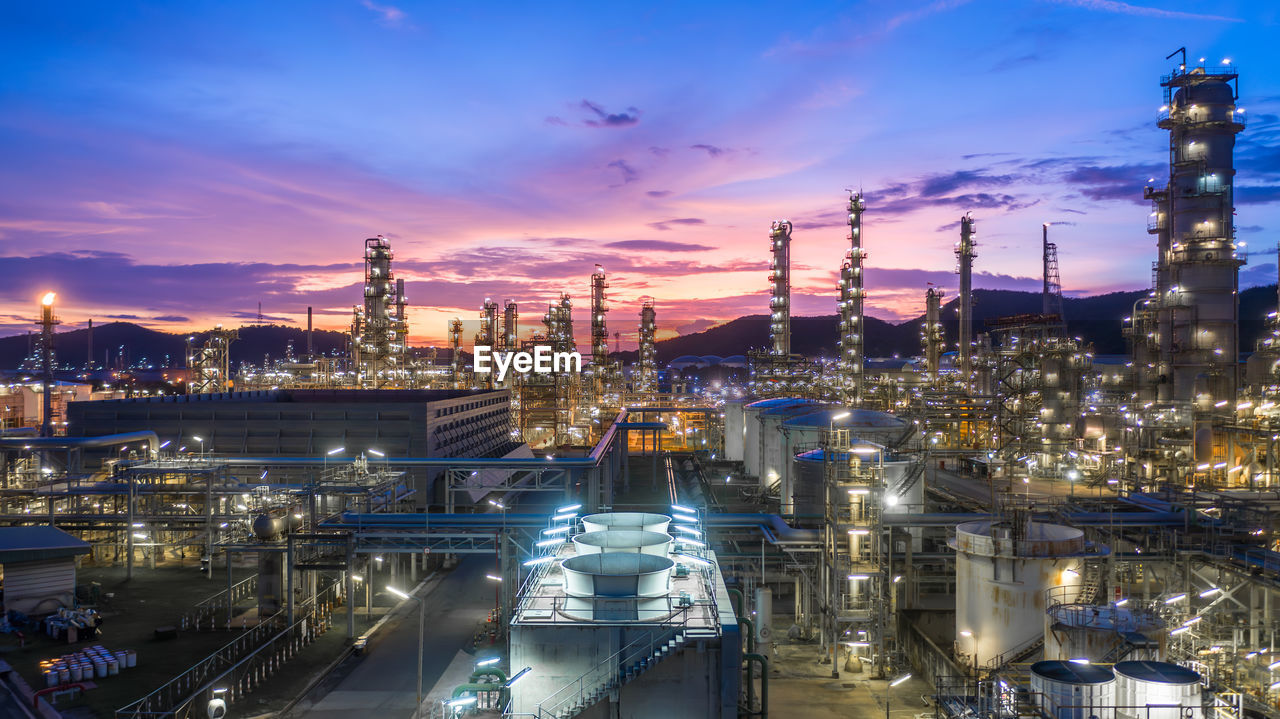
{"x":1079,"y":660}
{"x":1175,"y":598}
{"x":539,"y":560}
{"x":966,"y":633}
{"x":838,"y":417}
{"x":678,"y":508}
{"x":549,"y":542}
{"x":556,"y":530}
{"x":334,"y":451}
{"x":688,"y":530}
{"x":691,"y":558}
{"x":397,"y":592}
{"x":376,"y":453}
{"x":488,"y":662}
{"x":493,"y":577}
{"x":899,"y":680}
{"x":570,"y":508}
{"x":461,"y":701}
{"x":518,"y":676}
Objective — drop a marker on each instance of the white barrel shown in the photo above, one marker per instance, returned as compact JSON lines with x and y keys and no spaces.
{"x":1157,"y":690}
{"x":1067,"y":690}
{"x":131,"y":658}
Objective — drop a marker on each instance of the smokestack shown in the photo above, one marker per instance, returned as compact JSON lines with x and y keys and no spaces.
{"x":311,"y":347}
{"x":964,"y":257}
{"x":88,"y":362}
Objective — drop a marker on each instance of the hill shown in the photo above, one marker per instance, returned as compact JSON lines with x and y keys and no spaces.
{"x":1097,"y":319}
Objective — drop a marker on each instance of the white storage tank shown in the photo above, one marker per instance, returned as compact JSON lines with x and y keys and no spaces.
{"x":1157,"y":690}
{"x":1003,"y":569}
{"x":805,"y":431}
{"x":623,"y":540}
{"x":642,"y":521}
{"x":735,"y":429}
{"x":1070,"y":690}
{"x":775,"y":451}
{"x":1074,"y":629}
{"x":752,"y":450}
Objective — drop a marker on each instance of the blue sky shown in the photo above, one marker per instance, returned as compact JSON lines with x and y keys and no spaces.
{"x":179,"y":162}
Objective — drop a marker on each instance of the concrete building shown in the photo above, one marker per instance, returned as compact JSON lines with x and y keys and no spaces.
{"x":313,"y":423}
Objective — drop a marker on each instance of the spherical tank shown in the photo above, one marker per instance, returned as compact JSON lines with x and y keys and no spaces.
{"x":1002,"y":573}
{"x":1068,"y":690}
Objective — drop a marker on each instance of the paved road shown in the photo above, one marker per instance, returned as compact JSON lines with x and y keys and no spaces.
{"x":381,"y":684}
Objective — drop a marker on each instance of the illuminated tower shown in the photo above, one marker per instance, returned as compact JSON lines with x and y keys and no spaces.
{"x":379,"y":331}
{"x":510,"y":326}
{"x":488,"y":334}
{"x":599,"y":335}
{"x":964,"y":258}
{"x":780,"y":289}
{"x":932,"y":336}
{"x":1197,"y":269}
{"x":646,"y":381}
{"x":850,"y":307}
{"x":47,"y":323}
{"x":455,"y":353}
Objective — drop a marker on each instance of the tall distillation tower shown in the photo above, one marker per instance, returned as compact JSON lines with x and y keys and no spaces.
{"x":780,"y":289}
{"x":964,"y":258}
{"x":379,"y":330}
{"x":1197,"y":270}
{"x":646,"y":380}
{"x":599,"y":337}
{"x":455,"y":353}
{"x":488,"y":334}
{"x":932,"y":335}
{"x":47,"y":322}
{"x":851,"y":322}
{"x":510,"y":326}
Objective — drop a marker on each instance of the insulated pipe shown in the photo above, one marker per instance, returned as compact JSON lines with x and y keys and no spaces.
{"x":747,"y":659}
{"x":105,"y":440}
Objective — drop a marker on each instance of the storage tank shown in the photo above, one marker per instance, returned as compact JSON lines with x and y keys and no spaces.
{"x":642,"y":521}
{"x":805,"y":431}
{"x":735,"y":429}
{"x":1003,"y":569}
{"x":1068,"y":690}
{"x":1157,"y":690}
{"x":775,"y":451}
{"x":752,"y":450}
{"x":808,"y":472}
{"x":1075,"y":629}
{"x":623,"y":540}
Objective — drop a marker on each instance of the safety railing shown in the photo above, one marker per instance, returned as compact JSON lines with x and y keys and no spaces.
{"x":203,"y":616}
{"x":242,"y":664}
{"x":607,"y":674}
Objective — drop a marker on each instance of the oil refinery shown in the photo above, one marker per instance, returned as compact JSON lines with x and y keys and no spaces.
{"x":515,"y":525}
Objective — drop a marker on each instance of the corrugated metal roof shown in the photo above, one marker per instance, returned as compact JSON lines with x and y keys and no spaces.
{"x":29,"y":544}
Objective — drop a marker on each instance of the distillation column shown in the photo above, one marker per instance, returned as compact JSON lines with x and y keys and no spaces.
{"x":599,"y":336}
{"x":780,"y":289}
{"x":646,"y":383}
{"x":1199,"y":305}
{"x":510,"y":326}
{"x":964,"y":257}
{"x":379,"y":330}
{"x":455,"y":353}
{"x":488,"y":334}
{"x":932,"y":335}
{"x":851,"y":294}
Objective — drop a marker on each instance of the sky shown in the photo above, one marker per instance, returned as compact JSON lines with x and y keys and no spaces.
{"x":177,"y":163}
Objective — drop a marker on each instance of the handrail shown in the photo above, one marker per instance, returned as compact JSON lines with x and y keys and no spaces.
{"x":612,"y":665}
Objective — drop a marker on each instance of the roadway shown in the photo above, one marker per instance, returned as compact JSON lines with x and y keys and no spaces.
{"x":381,"y":683}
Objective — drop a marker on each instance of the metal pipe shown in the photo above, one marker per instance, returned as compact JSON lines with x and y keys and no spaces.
{"x":763,"y":661}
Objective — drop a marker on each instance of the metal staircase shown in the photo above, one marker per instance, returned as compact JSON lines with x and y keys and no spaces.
{"x":622,"y":667}
{"x":1089,"y":587}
